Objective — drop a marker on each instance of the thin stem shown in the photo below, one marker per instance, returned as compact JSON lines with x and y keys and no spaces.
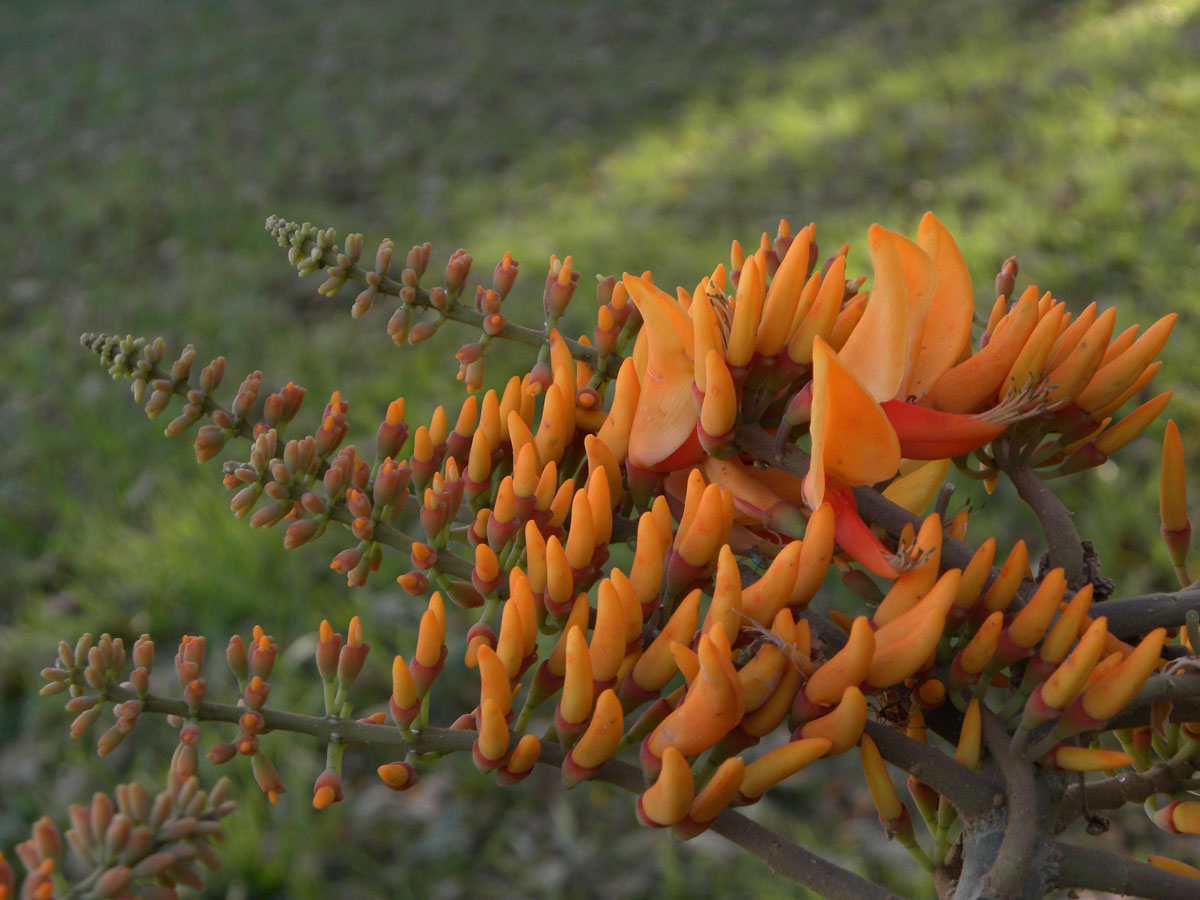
{"x":1006,"y":877}
{"x":922,"y":858}
{"x":1066,"y":550}
{"x":781,"y":855}
{"x":946,"y":818}
{"x":390,"y":536}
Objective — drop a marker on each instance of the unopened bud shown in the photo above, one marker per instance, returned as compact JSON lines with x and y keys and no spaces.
{"x":327,"y":789}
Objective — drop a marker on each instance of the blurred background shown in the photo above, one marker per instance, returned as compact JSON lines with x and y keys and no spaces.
{"x":143,"y":144}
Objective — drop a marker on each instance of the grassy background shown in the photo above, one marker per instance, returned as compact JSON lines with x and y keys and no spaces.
{"x":144,"y":143}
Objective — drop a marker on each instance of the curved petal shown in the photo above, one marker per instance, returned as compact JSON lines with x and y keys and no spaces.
{"x":947,"y":328}
{"x":666,"y":417}
{"x":877,"y":350}
{"x":853,"y":441}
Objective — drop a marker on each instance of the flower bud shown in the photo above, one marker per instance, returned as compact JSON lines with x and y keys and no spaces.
{"x":491,"y":746}
{"x":560,"y":285}
{"x":598,"y":743}
{"x":266,"y":776}
{"x":262,"y":656}
{"x":256,"y":693}
{"x":667,"y":801}
{"x":329,"y":645}
{"x":352,"y":655}
{"x":769,"y":770}
{"x":327,"y":789}
{"x":399,"y":776}
{"x":405,"y":702}
{"x":504,"y":276}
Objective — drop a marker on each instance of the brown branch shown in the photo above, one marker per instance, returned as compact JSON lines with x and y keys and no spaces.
{"x":1086,"y":867}
{"x":971,"y":793}
{"x":1010,"y":867}
{"x":1066,"y":550}
{"x":1182,"y":691}
{"x":781,"y":855}
{"x":794,"y":862}
{"x":1136,"y":616}
{"x":1115,"y":792}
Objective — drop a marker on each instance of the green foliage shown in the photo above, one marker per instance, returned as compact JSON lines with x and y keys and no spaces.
{"x":149,"y":141}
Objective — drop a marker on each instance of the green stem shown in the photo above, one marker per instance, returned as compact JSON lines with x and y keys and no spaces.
{"x":919,"y":855}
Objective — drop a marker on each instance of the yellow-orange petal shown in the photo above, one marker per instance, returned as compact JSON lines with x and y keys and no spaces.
{"x":720,"y":790}
{"x":947,"y":329}
{"x":844,"y":725}
{"x":1089,"y":759}
{"x":783,"y":762}
{"x":493,"y":680}
{"x":493,"y":732}
{"x":747,"y":313}
{"x":1061,"y":636}
{"x":599,"y":742}
{"x":575,"y":704}
{"x":616,"y":430}
{"x":667,"y":801}
{"x":848,"y":667}
{"x":526,"y":753}
{"x":666,"y":416}
{"x":726,"y":606}
{"x":876,"y":352}
{"x":607,"y":647}
{"x":852,"y":439}
{"x":719,"y":409}
{"x":970,"y":737}
{"x":1173,"y":866}
{"x":879,"y":783}
{"x":656,"y":666}
{"x":404,"y":689}
{"x":1172,"y":495}
{"x":1111,"y":694}
{"x":1069,"y":678}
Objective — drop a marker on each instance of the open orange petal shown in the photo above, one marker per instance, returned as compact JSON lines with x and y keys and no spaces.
{"x":666,"y":416}
{"x":877,"y":350}
{"x":919,"y":280}
{"x":852,"y":439}
{"x":947,"y":328}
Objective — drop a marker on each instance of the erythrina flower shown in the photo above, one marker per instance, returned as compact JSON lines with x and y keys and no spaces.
{"x":663,"y":434}
{"x":853,"y":444}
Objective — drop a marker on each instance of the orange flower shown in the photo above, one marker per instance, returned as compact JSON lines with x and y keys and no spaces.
{"x":663,"y":434}
{"x":852,"y":444}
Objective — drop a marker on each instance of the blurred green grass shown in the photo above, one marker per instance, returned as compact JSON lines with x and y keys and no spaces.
{"x":145,"y":143}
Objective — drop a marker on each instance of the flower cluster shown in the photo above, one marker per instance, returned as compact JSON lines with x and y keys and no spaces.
{"x":749,"y":441}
